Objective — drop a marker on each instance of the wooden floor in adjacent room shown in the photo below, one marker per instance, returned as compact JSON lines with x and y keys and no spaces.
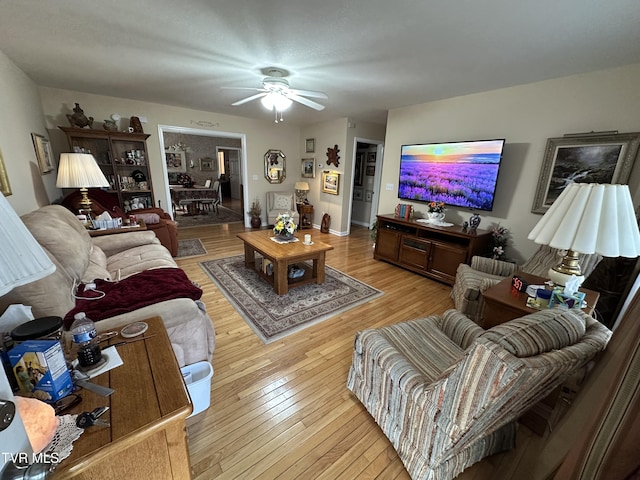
{"x":282,"y":410}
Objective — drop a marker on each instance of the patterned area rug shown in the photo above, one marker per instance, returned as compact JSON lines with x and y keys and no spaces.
{"x":224,"y":215}
{"x":274,"y":316}
{"x":190,"y":248}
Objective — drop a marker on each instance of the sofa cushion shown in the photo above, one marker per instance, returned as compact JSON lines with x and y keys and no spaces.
{"x":97,"y":266}
{"x":281,"y":202}
{"x":539,"y":332}
{"x":134,"y":260}
{"x":148,"y":218}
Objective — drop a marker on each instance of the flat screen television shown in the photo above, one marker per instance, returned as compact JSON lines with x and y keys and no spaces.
{"x":461,"y":174}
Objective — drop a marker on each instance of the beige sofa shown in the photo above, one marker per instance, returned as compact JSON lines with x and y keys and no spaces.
{"x":79,"y":258}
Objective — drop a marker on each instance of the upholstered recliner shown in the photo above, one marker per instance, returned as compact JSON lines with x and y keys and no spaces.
{"x":483,"y":273}
{"x":447,"y":393}
{"x":281,"y":202}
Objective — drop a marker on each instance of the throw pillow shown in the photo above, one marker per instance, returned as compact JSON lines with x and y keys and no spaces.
{"x":282,"y":202}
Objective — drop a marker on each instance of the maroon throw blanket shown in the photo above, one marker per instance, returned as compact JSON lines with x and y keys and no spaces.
{"x":134,"y":292}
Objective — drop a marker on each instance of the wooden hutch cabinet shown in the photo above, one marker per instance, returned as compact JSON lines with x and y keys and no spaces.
{"x":123,"y":159}
{"x":430,"y":250}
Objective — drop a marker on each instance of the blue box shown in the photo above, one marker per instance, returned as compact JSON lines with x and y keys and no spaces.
{"x":559,"y":299}
{"x":41,"y":369}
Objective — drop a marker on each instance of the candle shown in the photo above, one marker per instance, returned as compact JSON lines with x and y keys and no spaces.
{"x":307,"y":238}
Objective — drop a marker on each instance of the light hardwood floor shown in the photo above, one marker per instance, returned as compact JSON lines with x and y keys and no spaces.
{"x":282,"y":410}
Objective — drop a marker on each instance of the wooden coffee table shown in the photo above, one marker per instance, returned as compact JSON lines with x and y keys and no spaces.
{"x":502,"y":305}
{"x":281,"y":256}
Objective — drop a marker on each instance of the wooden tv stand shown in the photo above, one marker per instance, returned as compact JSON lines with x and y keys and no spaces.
{"x":426,"y":249}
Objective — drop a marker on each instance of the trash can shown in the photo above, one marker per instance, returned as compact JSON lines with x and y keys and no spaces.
{"x":197,"y":377}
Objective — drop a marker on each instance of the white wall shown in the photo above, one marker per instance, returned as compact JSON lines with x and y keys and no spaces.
{"x":261,"y":135}
{"x":20,"y":115}
{"x":526,"y":116}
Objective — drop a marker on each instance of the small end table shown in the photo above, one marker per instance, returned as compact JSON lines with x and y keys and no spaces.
{"x":305,"y":210}
{"x":502,"y":305}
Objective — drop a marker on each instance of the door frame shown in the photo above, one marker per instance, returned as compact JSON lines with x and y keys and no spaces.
{"x":377,"y":178}
{"x":203,"y":133}
{"x":239,"y":150}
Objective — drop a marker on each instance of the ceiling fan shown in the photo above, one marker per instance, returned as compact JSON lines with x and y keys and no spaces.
{"x":277,"y":95}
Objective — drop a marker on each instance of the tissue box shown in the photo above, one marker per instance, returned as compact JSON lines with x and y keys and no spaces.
{"x":559,"y":299}
{"x":40,"y":369}
{"x":107,"y":224}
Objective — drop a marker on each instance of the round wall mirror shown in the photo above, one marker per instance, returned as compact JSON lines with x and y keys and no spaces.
{"x":275,"y":166}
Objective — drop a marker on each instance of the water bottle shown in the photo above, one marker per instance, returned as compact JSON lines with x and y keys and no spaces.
{"x":85,"y":338}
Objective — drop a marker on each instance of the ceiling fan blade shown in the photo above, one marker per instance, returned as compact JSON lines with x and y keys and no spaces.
{"x":309,"y":93}
{"x":244,"y":88}
{"x":248,"y":99}
{"x":304,"y":101}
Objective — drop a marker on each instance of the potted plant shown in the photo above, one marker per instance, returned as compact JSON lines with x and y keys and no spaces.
{"x":254,"y":212}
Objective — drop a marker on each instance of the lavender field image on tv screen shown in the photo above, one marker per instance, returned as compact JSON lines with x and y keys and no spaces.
{"x":462,"y":174}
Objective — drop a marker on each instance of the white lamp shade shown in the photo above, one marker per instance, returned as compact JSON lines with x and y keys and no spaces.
{"x":22,"y":259}
{"x":591,"y":218}
{"x":79,"y":170}
{"x":301,"y":186}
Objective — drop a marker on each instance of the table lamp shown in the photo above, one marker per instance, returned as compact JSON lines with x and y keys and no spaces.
{"x":80,"y":170}
{"x":302,"y":188}
{"x":22,"y":258}
{"x":588,"y":218}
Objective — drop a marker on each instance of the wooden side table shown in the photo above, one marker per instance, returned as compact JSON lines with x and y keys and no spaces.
{"x":147,"y":438}
{"x":305,"y":210}
{"x":140,"y":226}
{"x":502,"y":305}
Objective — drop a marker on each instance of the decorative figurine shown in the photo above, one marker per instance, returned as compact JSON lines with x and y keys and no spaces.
{"x":110,"y":126}
{"x":78,"y":119}
{"x":136,"y":124}
{"x":474,"y":222}
{"x":465,"y":225}
{"x":332,"y":156}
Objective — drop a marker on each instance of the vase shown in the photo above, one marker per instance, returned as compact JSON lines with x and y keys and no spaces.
{"x":436,"y":217}
{"x":256,"y":222}
{"x":285,"y":236}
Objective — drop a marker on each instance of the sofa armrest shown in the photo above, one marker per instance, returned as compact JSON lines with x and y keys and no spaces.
{"x":493,"y":267}
{"x":119,"y":242}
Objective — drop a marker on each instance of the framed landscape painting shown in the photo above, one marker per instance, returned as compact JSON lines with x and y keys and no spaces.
{"x":308,"y":168}
{"x":597,"y":158}
{"x":330,"y":182}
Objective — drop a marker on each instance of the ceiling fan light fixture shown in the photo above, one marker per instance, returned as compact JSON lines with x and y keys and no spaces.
{"x":276,"y":101}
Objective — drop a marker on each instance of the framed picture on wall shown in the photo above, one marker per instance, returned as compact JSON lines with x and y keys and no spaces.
{"x":308,"y":168}
{"x":176,"y":161}
{"x":589,"y":158}
{"x":330,"y":183}
{"x":206,"y":164}
{"x":371,"y":170}
{"x":310,"y":145}
{"x":358,"y":194}
{"x":43,"y":153}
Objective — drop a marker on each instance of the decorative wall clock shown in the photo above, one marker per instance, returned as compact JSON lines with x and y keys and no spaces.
{"x":332,"y":156}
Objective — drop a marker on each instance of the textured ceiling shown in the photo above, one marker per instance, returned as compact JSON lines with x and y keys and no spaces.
{"x":367,"y":55}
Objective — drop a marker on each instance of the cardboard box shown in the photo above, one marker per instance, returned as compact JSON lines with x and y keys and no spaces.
{"x":40,"y":369}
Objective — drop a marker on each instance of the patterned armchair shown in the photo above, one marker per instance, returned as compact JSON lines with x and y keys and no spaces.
{"x":483,"y":273}
{"x":447,"y":393}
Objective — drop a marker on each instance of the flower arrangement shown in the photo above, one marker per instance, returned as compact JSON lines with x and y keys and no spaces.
{"x":435,"y":207}
{"x":185,"y":180}
{"x":499,"y":240}
{"x":256,"y":209}
{"x":284,"y":226}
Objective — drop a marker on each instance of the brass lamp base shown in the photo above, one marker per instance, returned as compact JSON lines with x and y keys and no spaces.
{"x":570,"y":266}
{"x":85,"y":206}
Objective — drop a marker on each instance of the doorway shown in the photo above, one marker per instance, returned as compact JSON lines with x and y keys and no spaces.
{"x":209,"y":155}
{"x":367,"y":166}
